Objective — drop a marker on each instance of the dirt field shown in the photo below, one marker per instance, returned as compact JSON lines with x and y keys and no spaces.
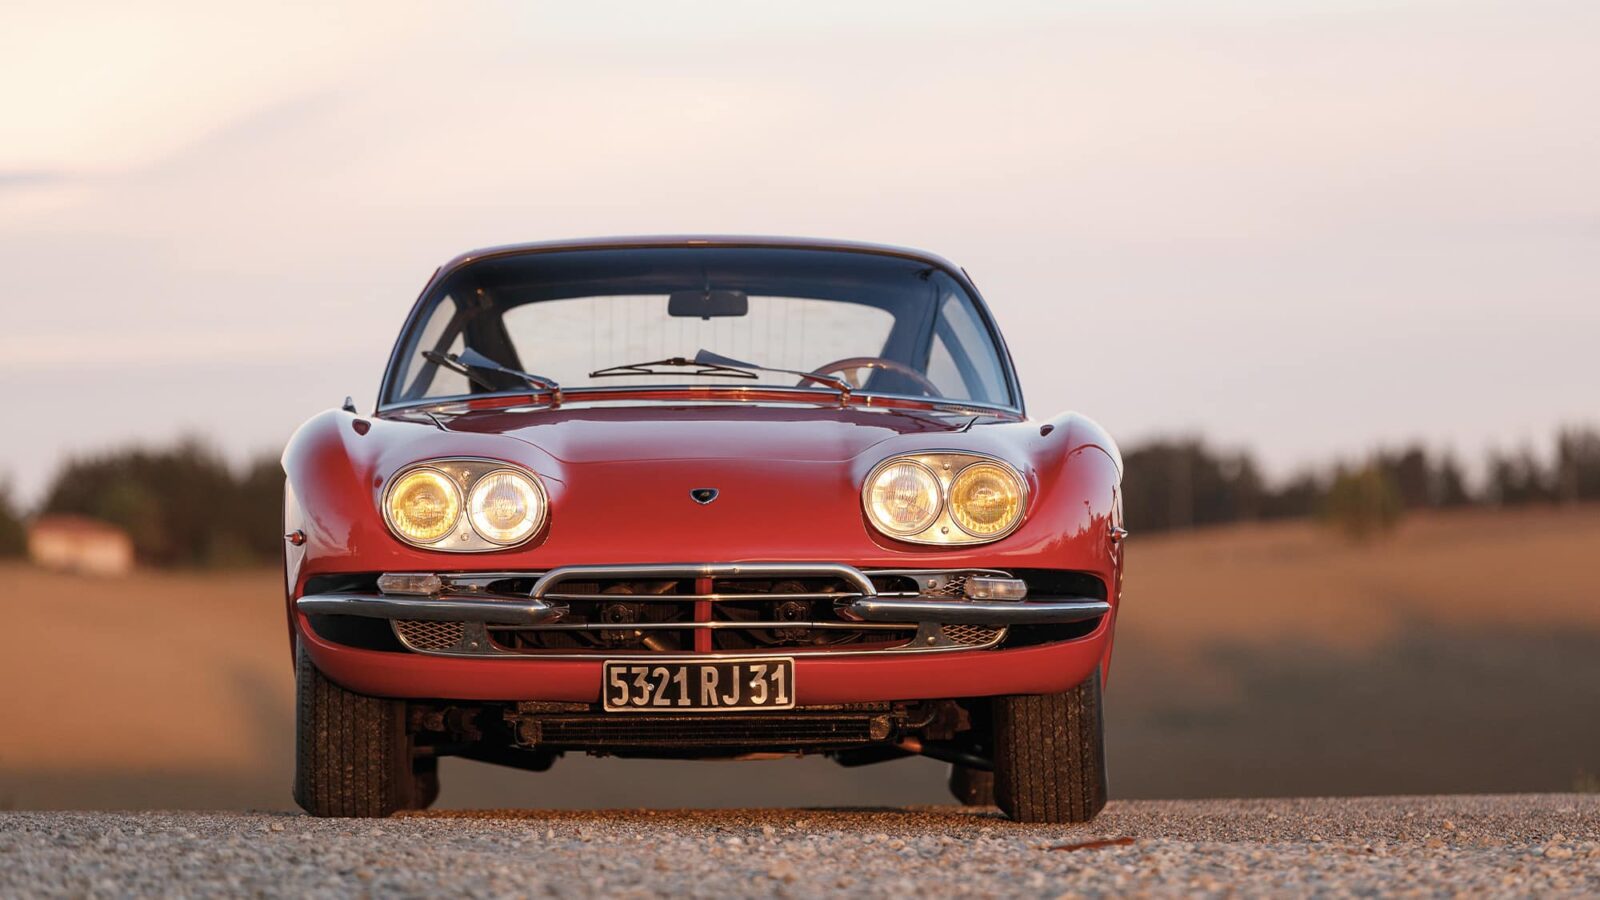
{"x":1460,"y":655}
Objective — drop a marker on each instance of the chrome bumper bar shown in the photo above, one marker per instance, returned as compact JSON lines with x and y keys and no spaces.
{"x":465,"y":599}
{"x":995,"y":613}
{"x":508,"y":611}
{"x":523,"y":612}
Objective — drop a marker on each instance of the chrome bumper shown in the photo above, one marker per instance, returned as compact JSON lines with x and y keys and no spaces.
{"x":507,"y":611}
{"x":936,"y":618}
{"x":995,"y":613}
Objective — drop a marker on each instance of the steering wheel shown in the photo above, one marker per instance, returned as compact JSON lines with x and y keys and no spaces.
{"x":854,"y":369}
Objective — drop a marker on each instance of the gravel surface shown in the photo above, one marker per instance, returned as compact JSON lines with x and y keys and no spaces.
{"x":1503,"y":845}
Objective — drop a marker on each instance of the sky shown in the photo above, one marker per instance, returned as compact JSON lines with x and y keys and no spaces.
{"x":1302,"y":227}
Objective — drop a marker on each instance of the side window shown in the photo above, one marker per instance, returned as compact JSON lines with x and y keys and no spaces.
{"x":942,"y":371}
{"x":963,"y":361}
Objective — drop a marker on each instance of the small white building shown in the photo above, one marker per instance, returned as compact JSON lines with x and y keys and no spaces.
{"x":79,"y":544}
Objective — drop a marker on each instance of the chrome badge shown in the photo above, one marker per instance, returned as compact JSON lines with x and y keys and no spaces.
{"x":703,"y":496}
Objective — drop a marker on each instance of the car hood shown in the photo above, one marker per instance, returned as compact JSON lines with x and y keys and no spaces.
{"x":601,"y":434}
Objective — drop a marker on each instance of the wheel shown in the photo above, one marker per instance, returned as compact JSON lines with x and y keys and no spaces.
{"x":1050,"y":755}
{"x":973,"y":787}
{"x":352,"y":753}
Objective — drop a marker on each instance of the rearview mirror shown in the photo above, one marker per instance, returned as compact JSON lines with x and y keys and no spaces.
{"x":705,"y":304}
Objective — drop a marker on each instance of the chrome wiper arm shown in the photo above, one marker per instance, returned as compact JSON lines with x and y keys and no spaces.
{"x":716,"y":365}
{"x":448,"y":361}
{"x":714,"y":370}
{"x":473,"y":364}
{"x":474,"y":360}
{"x":707,"y":358}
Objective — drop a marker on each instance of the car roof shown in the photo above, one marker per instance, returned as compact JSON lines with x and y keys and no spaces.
{"x":698,"y":240}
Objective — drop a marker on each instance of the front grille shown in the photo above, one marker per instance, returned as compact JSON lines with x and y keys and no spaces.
{"x":434,"y":636}
{"x":678,"y":610}
{"x":751,"y":608}
{"x":798,"y":730}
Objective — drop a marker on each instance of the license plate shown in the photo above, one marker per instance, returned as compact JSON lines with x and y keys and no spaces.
{"x":701,"y":685}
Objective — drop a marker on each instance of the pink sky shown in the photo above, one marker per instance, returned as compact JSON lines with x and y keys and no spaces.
{"x":1302,"y":227}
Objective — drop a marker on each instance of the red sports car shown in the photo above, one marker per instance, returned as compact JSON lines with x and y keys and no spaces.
{"x":701,"y":498}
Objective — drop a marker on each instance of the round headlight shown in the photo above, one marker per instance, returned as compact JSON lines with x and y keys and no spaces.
{"x":424,"y":506}
{"x":505,"y":507}
{"x":986,"y":499}
{"x":903,"y":497}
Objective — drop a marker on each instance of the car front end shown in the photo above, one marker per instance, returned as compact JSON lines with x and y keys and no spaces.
{"x":524,"y":570}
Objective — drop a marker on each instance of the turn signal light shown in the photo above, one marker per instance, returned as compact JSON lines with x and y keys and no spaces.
{"x":983,"y":587}
{"x":409,"y":583}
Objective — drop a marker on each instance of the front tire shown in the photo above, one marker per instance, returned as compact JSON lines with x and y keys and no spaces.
{"x":353,"y":756}
{"x":1050,"y":756}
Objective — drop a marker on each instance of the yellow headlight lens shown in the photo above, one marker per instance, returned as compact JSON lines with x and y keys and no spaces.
{"x":985,"y":499}
{"x":505,"y":507}
{"x":904,"y":497}
{"x":424,"y":506}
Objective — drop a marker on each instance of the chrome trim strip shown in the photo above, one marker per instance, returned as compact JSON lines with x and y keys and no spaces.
{"x":796,"y":652}
{"x":714,"y":625}
{"x":913,"y":573}
{"x":478,"y":582}
{"x":541,"y":611}
{"x":994,"y":613}
{"x":432,"y":609}
{"x":629,"y":598}
{"x":703,"y":570}
{"x":719,"y":393}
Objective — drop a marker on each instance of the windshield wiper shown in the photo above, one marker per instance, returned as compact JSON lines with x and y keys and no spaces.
{"x":707,"y":358}
{"x":477,"y":367}
{"x":700,"y":368}
{"x":718,"y":366}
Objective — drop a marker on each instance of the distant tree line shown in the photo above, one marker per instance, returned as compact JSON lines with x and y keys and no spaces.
{"x":183,"y":505}
{"x":12,"y":539}
{"x":1185,"y":483}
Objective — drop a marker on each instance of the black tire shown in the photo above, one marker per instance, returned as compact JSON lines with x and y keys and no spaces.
{"x":973,"y":787}
{"x":1050,"y":755}
{"x":353,"y":756}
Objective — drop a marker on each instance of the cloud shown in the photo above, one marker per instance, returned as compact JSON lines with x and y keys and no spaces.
{"x":111,"y":85}
{"x":30,"y":178}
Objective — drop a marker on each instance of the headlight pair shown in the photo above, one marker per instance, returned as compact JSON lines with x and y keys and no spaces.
{"x":944,"y":498}
{"x":501,"y":505}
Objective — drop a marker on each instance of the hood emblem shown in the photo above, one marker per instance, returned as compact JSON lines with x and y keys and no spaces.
{"x":703,"y":496}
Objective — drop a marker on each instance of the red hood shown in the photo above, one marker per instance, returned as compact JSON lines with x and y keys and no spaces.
{"x":683,"y":432}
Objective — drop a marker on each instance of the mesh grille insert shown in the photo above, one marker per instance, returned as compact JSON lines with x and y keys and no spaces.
{"x":430,"y":635}
{"x":971,"y":635}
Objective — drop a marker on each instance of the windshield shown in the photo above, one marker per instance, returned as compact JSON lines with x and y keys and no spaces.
{"x":637,"y":318}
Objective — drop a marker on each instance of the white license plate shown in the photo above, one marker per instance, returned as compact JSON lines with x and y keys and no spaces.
{"x":699,"y":685}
